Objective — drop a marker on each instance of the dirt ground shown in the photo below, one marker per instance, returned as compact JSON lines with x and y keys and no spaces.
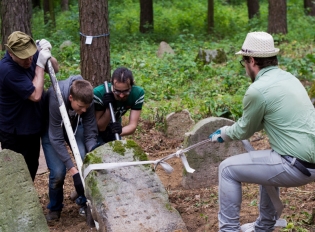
{"x":198,"y":207}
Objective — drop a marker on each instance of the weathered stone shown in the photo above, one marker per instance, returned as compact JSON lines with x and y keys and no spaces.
{"x":66,"y":43}
{"x":20,"y":209}
{"x":206,"y":158}
{"x":164,"y":48}
{"x":207,"y":56}
{"x":177,"y":124}
{"x":129,"y":198}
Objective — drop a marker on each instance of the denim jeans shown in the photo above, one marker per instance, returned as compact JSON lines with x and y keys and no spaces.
{"x":58,"y":169}
{"x":266,"y":168}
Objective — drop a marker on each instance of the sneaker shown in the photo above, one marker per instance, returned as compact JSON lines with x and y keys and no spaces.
{"x":82,"y":211}
{"x":52,"y":216}
{"x":250,"y":227}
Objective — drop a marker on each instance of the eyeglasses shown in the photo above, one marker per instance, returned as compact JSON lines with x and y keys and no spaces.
{"x":242,"y":62}
{"x":124,"y":92}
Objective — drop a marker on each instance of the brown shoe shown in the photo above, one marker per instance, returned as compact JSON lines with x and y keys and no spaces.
{"x":53,"y":215}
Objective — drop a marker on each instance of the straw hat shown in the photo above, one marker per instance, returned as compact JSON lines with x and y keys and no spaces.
{"x":258,"y":44}
{"x":21,"y":45}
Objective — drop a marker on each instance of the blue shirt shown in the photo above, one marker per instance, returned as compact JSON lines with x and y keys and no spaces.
{"x":18,"y":114}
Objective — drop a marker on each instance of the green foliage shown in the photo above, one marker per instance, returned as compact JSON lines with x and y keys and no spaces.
{"x":176,"y":82}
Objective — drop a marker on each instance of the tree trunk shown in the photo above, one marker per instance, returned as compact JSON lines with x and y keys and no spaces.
{"x":146,"y":16}
{"x":15,"y":16}
{"x":95,"y":57}
{"x":64,"y":5}
{"x":49,"y":13}
{"x":309,"y":6}
{"x":253,"y":8}
{"x":277,"y":18}
{"x":36,"y":3}
{"x":210,"y":16}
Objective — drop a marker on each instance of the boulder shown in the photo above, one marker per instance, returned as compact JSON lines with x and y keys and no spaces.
{"x":164,"y":48}
{"x":206,"y":158}
{"x":177,"y":124}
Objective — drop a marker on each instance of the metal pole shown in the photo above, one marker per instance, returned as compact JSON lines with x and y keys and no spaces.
{"x":111,"y":110}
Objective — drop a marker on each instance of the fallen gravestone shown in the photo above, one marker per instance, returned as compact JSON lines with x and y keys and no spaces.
{"x":128,"y":198}
{"x":20,"y":209}
{"x":177,"y":124}
{"x":205,"y":159}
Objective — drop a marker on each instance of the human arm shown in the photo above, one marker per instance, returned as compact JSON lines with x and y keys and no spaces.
{"x":102,"y":119}
{"x":133,"y":123}
{"x":56,"y":130}
{"x":254,"y":107}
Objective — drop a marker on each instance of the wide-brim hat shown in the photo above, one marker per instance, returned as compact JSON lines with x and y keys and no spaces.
{"x":21,"y":45}
{"x":258,"y":44}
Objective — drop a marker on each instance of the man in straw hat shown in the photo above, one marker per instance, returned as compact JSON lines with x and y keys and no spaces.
{"x":21,"y":96}
{"x":277,"y":102}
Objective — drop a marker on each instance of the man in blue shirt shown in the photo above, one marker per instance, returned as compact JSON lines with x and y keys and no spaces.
{"x":21,"y":96}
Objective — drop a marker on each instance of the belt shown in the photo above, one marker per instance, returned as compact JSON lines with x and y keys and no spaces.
{"x":301,"y":165}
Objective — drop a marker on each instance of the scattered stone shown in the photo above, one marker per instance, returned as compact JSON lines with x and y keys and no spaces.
{"x":207,"y":56}
{"x":177,"y":124}
{"x":66,"y":43}
{"x":164,"y":48}
{"x":20,"y":209}
{"x":206,"y":158}
{"x":128,"y":198}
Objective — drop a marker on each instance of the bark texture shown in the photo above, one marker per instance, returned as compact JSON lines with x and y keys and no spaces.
{"x":95,"y":57}
{"x":277,"y":18}
{"x":146,"y":16}
{"x":15,"y":16}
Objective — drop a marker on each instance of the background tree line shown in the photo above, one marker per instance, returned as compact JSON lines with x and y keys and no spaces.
{"x":94,"y":23}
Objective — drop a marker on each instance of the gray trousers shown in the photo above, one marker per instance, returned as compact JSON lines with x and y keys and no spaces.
{"x":265,"y":168}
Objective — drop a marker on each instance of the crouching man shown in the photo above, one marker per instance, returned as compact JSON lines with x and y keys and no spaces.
{"x":77,"y":95}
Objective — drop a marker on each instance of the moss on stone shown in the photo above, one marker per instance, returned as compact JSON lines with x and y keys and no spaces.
{"x":93,"y":188}
{"x":118,"y":147}
{"x":92,"y":158}
{"x":168,"y":207}
{"x":138,"y":152}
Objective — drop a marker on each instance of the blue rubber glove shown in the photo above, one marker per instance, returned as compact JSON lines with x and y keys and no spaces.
{"x":216,"y":136}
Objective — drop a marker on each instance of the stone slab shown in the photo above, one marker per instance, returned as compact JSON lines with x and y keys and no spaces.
{"x":129,"y":198}
{"x":42,"y":167}
{"x":206,"y":158}
{"x":178,"y":123}
{"x":20,"y":209}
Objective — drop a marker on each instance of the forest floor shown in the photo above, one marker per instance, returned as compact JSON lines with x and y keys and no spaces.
{"x":198,"y":207}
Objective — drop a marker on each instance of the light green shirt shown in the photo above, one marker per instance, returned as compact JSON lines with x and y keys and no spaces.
{"x":278,"y":103}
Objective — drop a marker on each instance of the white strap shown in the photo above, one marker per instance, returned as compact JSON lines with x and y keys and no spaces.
{"x":161,"y":162}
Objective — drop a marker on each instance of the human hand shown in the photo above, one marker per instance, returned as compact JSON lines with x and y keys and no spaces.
{"x":115,"y":127}
{"x":43,"y":56}
{"x":216,"y":136}
{"x":108,"y":98}
{"x":78,"y":185}
{"x":43,"y":44}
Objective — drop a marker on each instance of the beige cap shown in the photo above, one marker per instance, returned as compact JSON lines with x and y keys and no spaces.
{"x":21,"y":45}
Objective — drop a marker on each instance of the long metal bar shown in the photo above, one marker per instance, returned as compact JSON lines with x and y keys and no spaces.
{"x":111,"y":110}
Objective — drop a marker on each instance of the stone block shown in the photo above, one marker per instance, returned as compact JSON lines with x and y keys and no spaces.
{"x":206,"y":158}
{"x":128,"y":198}
{"x":20,"y":209}
{"x":179,"y":123}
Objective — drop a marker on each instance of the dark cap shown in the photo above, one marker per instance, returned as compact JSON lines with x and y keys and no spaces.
{"x":21,"y":45}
